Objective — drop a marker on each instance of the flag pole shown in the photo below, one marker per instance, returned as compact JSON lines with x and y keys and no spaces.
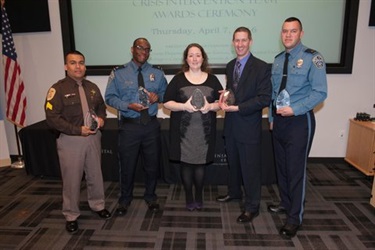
{"x":15,"y":97}
{"x":17,"y":138}
{"x":19,"y":163}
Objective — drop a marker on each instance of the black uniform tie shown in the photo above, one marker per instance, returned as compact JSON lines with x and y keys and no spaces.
{"x":145,"y":118}
{"x":285,"y":72}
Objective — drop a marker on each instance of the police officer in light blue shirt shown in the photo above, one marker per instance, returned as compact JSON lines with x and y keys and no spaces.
{"x":306,"y":84}
{"x":303,"y":85}
{"x":124,"y":83}
{"x":139,"y":130}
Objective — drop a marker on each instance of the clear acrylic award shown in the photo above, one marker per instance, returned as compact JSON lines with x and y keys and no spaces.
{"x":197,"y":99}
{"x":143,"y":97}
{"x":283,"y":99}
{"x":228,"y":97}
{"x":91,"y":120}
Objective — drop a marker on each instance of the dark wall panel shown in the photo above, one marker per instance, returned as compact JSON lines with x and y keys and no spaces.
{"x":28,"y":15}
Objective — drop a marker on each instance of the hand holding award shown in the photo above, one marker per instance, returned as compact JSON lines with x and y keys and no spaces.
{"x":197,"y":99}
{"x":228,"y":97}
{"x":91,"y":120}
{"x":143,"y":97}
{"x":283,"y":99}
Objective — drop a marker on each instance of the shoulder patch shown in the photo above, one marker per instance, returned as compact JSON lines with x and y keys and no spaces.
{"x":318,"y":61}
{"x":51,"y":94}
{"x":311,"y":51}
{"x":111,"y":76}
{"x":49,"y":106}
{"x":279,"y":54}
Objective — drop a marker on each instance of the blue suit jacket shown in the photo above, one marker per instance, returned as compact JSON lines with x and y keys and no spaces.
{"x":252,"y":95}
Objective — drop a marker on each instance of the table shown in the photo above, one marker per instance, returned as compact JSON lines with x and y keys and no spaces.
{"x":360,"y":151}
{"x":41,"y":159}
{"x":372,"y":200}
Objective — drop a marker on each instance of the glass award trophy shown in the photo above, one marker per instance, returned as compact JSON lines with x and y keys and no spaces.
{"x":228,"y":97}
{"x":197,"y":99}
{"x":283,"y":99}
{"x":143,"y":97}
{"x":91,"y":120}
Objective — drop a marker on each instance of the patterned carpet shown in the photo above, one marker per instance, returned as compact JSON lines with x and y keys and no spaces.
{"x":338,"y":216}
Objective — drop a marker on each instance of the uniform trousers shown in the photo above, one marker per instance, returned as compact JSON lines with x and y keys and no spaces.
{"x":292,"y":138}
{"x":137,"y":139}
{"x":78,"y":155}
{"x":244,"y":168}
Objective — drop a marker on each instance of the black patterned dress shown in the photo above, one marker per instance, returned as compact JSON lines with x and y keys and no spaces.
{"x":192,"y":135}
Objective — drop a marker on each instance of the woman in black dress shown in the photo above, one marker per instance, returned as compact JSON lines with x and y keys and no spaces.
{"x":192,"y":98}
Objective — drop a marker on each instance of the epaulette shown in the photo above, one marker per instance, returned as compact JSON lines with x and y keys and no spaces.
{"x":157,"y":67}
{"x":119,"y":67}
{"x":279,"y":54}
{"x":311,"y":51}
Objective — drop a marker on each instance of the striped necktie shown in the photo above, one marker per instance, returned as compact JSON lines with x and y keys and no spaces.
{"x":237,"y":74}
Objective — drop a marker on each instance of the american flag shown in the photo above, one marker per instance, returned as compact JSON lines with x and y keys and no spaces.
{"x":15,"y":96}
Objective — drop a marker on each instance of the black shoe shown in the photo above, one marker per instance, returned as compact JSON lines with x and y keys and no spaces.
{"x":122,"y":209}
{"x":276,"y":209}
{"x":225,"y":198}
{"x":246,"y":217}
{"x":190,"y":206}
{"x":289,"y":230}
{"x":153,"y":206}
{"x":71,"y":226}
{"x":104,"y":214}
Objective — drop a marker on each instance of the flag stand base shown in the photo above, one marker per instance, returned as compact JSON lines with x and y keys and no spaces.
{"x":18,"y":164}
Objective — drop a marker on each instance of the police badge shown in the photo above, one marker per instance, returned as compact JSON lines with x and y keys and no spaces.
{"x":299,"y":63}
{"x":152,"y":77}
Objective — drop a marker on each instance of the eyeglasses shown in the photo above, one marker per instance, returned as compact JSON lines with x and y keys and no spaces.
{"x":148,"y":50}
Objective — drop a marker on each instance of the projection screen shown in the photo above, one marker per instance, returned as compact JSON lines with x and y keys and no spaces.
{"x":105,"y":30}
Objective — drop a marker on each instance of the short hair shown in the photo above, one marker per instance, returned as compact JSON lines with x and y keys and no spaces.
{"x":293,"y":19}
{"x":73,"y":52}
{"x":139,"y":38}
{"x":204,"y":66}
{"x":243,"y":29}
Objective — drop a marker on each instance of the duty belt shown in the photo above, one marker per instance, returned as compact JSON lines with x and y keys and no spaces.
{"x":136,"y":120}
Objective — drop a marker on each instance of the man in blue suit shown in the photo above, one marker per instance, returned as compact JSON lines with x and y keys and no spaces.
{"x":250,"y":80}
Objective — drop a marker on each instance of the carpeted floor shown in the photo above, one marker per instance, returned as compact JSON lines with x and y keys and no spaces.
{"x":338,"y":216}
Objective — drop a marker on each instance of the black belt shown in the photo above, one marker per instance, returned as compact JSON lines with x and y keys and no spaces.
{"x":136,"y":120}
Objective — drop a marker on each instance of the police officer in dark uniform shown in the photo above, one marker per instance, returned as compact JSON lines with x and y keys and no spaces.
{"x":139,"y":130}
{"x":299,"y":84}
{"x":78,"y":145}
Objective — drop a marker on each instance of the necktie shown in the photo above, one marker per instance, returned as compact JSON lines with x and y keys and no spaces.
{"x":285,"y":72}
{"x":145,"y":118}
{"x":82,"y":95}
{"x":237,"y":74}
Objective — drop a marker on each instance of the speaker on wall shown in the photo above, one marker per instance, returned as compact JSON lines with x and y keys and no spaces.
{"x":372,"y":14}
{"x":28,"y":15}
